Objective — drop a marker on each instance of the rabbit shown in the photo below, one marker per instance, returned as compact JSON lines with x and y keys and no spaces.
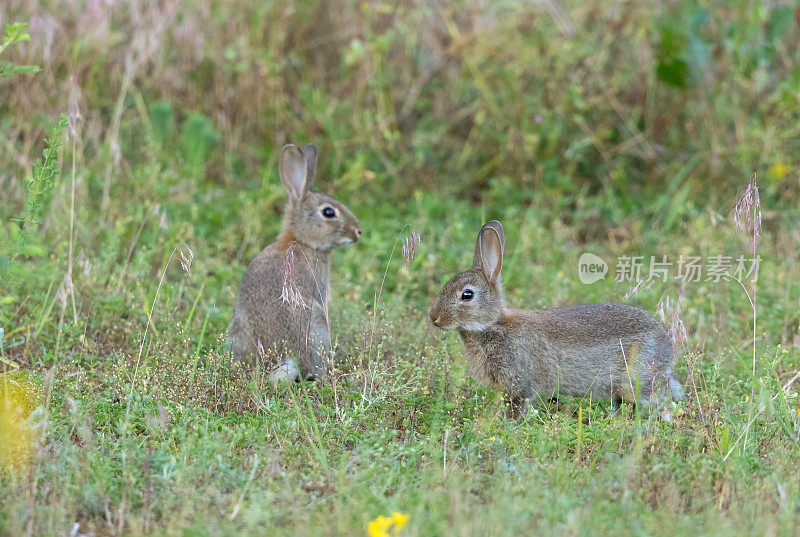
{"x":281,"y":311}
{"x":603,"y":351}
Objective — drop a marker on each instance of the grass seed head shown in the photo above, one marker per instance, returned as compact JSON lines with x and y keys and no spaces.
{"x":411,"y":246}
{"x":74,"y":115}
{"x":747,"y":211}
{"x":290,"y":293}
{"x":633,"y":290}
{"x":669,"y":311}
{"x":186,"y":258}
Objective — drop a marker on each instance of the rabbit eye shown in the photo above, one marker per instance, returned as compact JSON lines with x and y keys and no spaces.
{"x":328,"y":212}
{"x":467,"y":294}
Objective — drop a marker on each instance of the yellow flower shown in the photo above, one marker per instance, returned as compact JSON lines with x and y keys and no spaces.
{"x":16,"y":404}
{"x":779,"y":170}
{"x":399,"y":520}
{"x":379,"y":527}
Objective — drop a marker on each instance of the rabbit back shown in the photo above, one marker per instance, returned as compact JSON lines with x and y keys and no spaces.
{"x":603,"y":351}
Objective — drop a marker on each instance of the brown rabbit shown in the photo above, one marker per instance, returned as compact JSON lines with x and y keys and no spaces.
{"x":293,"y":335}
{"x":603,"y":351}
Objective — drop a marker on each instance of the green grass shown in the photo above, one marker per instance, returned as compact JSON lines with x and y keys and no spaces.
{"x":209,"y":449}
{"x":652,"y":118}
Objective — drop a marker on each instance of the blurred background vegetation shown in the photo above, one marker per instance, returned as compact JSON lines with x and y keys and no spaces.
{"x":601,"y":109}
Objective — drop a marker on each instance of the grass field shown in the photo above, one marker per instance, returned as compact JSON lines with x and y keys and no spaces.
{"x":615,"y":128}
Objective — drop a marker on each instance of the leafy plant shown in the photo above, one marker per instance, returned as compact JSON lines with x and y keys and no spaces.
{"x":15,"y":33}
{"x":40,"y":183}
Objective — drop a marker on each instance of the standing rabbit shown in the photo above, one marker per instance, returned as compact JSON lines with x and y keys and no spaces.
{"x":603,"y":351}
{"x":281,"y":312}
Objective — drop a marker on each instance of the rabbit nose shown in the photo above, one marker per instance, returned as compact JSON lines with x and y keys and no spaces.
{"x":435,"y":318}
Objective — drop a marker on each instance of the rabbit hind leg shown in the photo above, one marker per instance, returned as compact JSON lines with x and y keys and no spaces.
{"x":286,"y":370}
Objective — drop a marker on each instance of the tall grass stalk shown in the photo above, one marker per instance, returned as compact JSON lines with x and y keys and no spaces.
{"x":292,"y":296}
{"x":186,"y":264}
{"x":747,"y":216}
{"x":410,"y":247}
{"x":74,"y":121}
{"x":580,"y":433}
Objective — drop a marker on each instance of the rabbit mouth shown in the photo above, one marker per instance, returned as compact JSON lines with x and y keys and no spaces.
{"x":473,"y":327}
{"x":345,"y":241}
{"x":442,"y":323}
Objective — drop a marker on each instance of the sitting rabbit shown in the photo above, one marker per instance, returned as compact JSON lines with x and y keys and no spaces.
{"x":281,"y":313}
{"x":603,"y":351}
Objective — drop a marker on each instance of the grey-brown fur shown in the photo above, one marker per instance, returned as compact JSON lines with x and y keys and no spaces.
{"x":603,"y":351}
{"x":293,"y":338}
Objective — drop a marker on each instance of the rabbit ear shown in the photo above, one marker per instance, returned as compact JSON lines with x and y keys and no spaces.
{"x":498,"y":227}
{"x":310,"y":156}
{"x":489,"y":251}
{"x":293,"y":169}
